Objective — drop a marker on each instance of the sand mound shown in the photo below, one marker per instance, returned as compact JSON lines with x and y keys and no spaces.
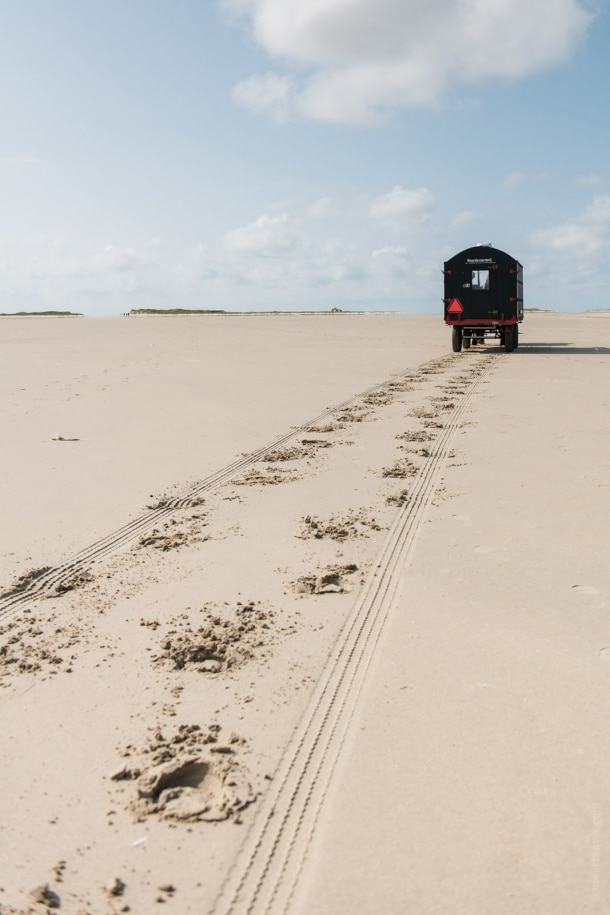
{"x":378,"y":398}
{"x":167,"y":501}
{"x":77,"y":580}
{"x":400,"y":469}
{"x":190,"y":776}
{"x":325,"y":427}
{"x":176,"y":532}
{"x":416,"y":435}
{"x":220,"y":644}
{"x":25,"y":581}
{"x":265,"y":477}
{"x":307,"y":448}
{"x":398,"y":498}
{"x":332,"y":580}
{"x":31,"y":645}
{"x":339,"y":527}
{"x":353,"y":414}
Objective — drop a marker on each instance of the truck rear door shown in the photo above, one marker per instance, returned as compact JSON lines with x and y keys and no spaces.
{"x":479,"y":294}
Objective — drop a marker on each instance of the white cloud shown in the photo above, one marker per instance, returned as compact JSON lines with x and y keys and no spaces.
{"x":53,"y":272}
{"x":589,"y":180}
{"x":267,"y":235}
{"x":464,"y":218}
{"x":514,"y":179}
{"x":268,"y":94}
{"x":393,"y":250}
{"x":323,"y":208}
{"x":280,"y":260}
{"x":116,"y":259}
{"x":585,"y":237}
{"x":518,"y":179}
{"x":392,"y":261}
{"x":197,"y":265}
{"x":364,"y":56}
{"x":401,"y":204}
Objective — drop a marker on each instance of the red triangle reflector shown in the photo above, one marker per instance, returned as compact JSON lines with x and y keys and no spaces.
{"x":455,"y":307}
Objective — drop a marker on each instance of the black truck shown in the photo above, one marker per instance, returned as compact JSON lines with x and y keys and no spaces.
{"x":483,"y":297}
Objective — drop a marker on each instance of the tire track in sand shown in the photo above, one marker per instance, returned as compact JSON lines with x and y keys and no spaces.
{"x":62,"y":577}
{"x":267,"y":869}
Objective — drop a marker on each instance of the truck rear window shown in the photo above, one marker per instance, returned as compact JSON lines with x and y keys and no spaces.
{"x":480,"y":279}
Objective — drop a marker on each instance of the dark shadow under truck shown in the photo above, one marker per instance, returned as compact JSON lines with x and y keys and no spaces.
{"x":483,"y":297}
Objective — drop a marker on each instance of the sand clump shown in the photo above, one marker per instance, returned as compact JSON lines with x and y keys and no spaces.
{"x":290,"y":453}
{"x":74,"y":580}
{"x":307,"y":448}
{"x":400,"y":386}
{"x":326,"y":427}
{"x":378,"y":398}
{"x":265,"y":477}
{"x":191,"y":776}
{"x":419,"y":452}
{"x":25,"y":581}
{"x":387,"y":393}
{"x":176,"y":532}
{"x":31,"y":645}
{"x":339,"y":527}
{"x":334,"y":579}
{"x":44,"y":895}
{"x":175,"y":502}
{"x":436,"y":366}
{"x":400,"y":469}
{"x":219,"y":644}
{"x":73,"y":577}
{"x":424,"y":413}
{"x":398,"y":498}
{"x":353,"y":415}
{"x":443,"y":403}
{"x":415,"y":435}
{"x":453,"y":389}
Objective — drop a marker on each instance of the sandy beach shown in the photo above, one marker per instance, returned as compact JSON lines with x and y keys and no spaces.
{"x":303,"y":614}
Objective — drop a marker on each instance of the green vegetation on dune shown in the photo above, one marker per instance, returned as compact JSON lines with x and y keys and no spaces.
{"x":220,"y":311}
{"x":39,"y":314}
{"x":177,"y":311}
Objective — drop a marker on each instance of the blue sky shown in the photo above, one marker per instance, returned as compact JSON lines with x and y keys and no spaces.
{"x":299,"y":154}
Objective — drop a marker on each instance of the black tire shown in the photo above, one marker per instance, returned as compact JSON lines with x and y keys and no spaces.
{"x":516,"y":336}
{"x":456,"y":339}
{"x":465,"y":342}
{"x":502,"y":338}
{"x":509,"y":339}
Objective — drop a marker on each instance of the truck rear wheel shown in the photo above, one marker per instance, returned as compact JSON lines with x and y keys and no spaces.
{"x":516,"y":335}
{"x":456,"y":339}
{"x":509,"y":339}
{"x":465,"y":342}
